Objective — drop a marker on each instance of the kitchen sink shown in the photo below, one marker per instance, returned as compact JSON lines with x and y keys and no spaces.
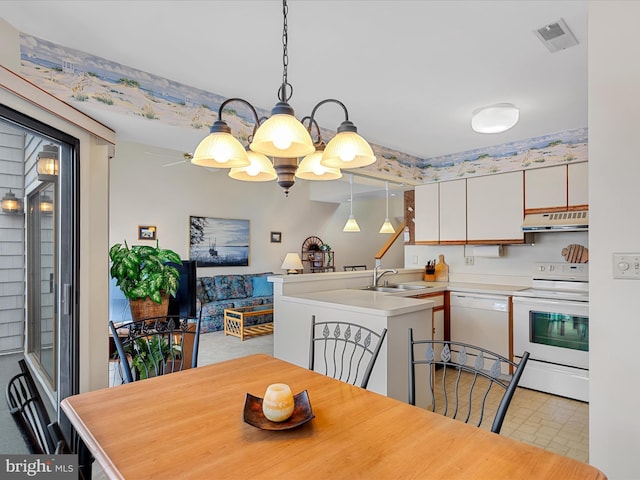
{"x":395,"y":288}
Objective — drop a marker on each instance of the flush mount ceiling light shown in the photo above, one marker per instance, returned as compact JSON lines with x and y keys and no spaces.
{"x":495,"y":118}
{"x":351,"y":225}
{"x":284,"y":138}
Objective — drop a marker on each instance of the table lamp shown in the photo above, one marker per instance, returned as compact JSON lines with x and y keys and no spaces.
{"x":292,"y":263}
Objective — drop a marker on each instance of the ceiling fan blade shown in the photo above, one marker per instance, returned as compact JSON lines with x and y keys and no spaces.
{"x":186,"y":158}
{"x":175,"y":163}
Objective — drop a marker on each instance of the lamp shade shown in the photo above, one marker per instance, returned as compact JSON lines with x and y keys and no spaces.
{"x":260,"y":169}
{"x":282,"y":135}
{"x":347,"y":150}
{"x":387,"y":227}
{"x":220,"y":149}
{"x":311,"y":169}
{"x":351,"y":225}
{"x":495,"y":118}
{"x":292,"y":263}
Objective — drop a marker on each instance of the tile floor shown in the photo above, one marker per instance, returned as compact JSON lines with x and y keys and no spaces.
{"x":546,"y":421}
{"x":553,"y":423}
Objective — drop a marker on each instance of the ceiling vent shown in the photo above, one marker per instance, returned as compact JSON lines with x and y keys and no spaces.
{"x":556,"y":36}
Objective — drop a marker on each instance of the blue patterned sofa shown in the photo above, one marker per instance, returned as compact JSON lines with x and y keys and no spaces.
{"x":216,"y":293}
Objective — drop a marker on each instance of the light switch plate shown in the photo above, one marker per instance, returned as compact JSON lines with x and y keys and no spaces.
{"x":626,"y":265}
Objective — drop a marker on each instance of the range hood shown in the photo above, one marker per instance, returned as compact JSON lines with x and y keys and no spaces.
{"x":556,"y":222}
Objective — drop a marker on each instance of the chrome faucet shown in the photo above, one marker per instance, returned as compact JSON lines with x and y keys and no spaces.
{"x":378,"y":275}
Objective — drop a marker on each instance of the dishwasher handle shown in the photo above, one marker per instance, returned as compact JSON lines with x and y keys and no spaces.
{"x":482,"y":301}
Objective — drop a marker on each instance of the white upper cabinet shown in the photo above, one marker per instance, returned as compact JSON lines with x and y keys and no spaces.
{"x":453,"y":212}
{"x":495,"y":207}
{"x":427,"y":214}
{"x":557,"y":188}
{"x":578,"y":185}
{"x":546,"y":188}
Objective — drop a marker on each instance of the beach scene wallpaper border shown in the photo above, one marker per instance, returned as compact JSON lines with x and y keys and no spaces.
{"x":80,"y":79}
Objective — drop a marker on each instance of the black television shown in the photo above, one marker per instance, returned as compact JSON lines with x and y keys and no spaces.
{"x":184,"y":303}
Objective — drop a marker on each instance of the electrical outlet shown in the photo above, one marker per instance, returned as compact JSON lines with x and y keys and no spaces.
{"x":468,"y":260}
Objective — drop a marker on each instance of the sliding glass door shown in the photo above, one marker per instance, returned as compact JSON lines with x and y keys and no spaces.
{"x":51,"y":231}
{"x":42,"y":326}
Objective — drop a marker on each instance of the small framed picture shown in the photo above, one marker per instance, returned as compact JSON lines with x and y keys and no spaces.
{"x":276,"y":237}
{"x":146,"y":232}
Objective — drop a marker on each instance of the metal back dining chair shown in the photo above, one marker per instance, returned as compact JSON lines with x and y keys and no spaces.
{"x":343,"y":350}
{"x":464,"y":382}
{"x":40,"y":434}
{"x":29,"y":412}
{"x":156,"y":346}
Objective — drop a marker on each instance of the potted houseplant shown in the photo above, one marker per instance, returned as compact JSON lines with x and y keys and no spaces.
{"x":145,"y":276}
{"x":325,"y":247}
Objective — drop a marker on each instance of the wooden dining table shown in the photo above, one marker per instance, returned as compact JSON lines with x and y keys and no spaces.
{"x":190,"y":425}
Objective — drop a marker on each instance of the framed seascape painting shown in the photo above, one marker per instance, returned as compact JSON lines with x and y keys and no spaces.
{"x":219,"y":242}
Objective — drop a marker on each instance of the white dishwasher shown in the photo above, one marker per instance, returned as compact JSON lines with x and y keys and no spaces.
{"x":481,"y":320}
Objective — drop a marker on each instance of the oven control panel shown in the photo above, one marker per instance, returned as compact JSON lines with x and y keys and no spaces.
{"x":561,"y":271}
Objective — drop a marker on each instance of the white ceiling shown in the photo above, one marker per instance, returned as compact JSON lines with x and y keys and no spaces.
{"x":410,"y":72}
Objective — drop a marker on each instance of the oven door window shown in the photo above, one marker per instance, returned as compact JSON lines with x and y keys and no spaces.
{"x":559,"y":330}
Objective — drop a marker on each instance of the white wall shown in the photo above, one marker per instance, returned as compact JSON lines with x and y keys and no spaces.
{"x":143,"y":192}
{"x":614,"y":170}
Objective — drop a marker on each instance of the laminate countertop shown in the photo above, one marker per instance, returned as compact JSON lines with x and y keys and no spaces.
{"x":395,"y":303}
{"x":468,"y":287}
{"x":364,"y":301}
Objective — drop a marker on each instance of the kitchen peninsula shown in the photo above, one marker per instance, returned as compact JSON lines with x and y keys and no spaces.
{"x":341,"y":295}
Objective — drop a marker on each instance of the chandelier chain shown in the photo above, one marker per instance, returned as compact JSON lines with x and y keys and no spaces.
{"x":282,"y":92}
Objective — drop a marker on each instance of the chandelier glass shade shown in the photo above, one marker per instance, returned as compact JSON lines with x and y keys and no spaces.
{"x":311,"y":168}
{"x":220,"y":149}
{"x":282,"y":135}
{"x":260,"y":169}
{"x":285,"y":139}
{"x":348,"y":150}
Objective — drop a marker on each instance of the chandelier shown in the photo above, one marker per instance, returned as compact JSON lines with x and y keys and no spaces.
{"x":278,"y":142}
